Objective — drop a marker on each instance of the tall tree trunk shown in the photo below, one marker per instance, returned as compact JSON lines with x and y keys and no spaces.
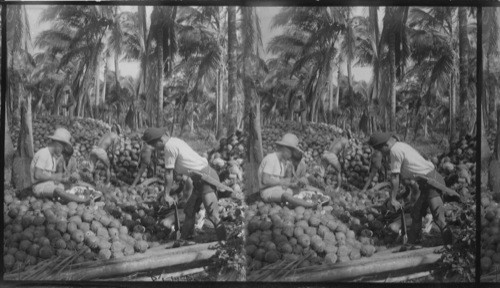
{"x":349,"y":51}
{"x":144,"y":42}
{"x":25,"y":149}
{"x":463,"y":44}
{"x":220,"y":104}
{"x":373,"y":16}
{"x":117,"y":72}
{"x":332,"y":100}
{"x":453,"y":96}
{"x":159,"y":59}
{"x":232,"y":69}
{"x":97,"y":88}
{"x":9,"y":153}
{"x":103,"y":96}
{"x":453,"y":110}
{"x":252,"y":103}
{"x":392,"y":75}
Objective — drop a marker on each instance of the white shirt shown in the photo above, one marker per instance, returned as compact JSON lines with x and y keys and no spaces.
{"x":182,"y":158}
{"x":44,"y":161}
{"x":271,"y":165}
{"x":408,"y":162}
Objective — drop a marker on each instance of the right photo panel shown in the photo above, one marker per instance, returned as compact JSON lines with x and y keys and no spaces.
{"x":362,"y":153}
{"x":490,"y":139}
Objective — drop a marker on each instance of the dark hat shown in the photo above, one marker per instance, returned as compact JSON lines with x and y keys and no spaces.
{"x":152,"y":134}
{"x":379,"y":138}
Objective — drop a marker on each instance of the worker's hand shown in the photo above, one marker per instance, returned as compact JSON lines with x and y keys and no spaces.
{"x":394,"y":204}
{"x":302,"y":182}
{"x":64,"y":179}
{"x":167,"y":200}
{"x":74,"y":177}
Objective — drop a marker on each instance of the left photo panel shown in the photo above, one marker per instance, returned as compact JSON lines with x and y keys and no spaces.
{"x":123,"y":144}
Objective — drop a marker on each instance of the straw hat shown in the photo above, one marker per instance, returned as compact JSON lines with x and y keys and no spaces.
{"x":291,"y":141}
{"x":62,"y":135}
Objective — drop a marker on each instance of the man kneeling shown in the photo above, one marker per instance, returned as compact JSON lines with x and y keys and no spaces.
{"x":46,"y":181}
{"x":274,"y":187}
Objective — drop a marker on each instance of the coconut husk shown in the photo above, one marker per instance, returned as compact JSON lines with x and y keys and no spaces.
{"x":277,"y":270}
{"x":49,"y":269}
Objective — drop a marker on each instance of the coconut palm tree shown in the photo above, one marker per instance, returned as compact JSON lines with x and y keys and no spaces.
{"x":491,"y":30}
{"x":232,"y":43}
{"x":77,"y":34}
{"x":394,"y":37}
{"x":19,"y":77}
{"x":308,"y":42}
{"x":162,"y":31}
{"x":202,"y":42}
{"x":251,"y":41}
{"x":431,"y":41}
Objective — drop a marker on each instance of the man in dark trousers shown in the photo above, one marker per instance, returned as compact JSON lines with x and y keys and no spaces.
{"x":179,"y":156}
{"x":407,"y":164}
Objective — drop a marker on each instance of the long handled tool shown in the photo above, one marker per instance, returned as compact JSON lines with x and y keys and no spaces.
{"x":404,"y":231}
{"x":177,"y":223}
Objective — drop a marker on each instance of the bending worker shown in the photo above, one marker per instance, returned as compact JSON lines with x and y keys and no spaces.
{"x":100,"y":152}
{"x":179,"y":156}
{"x":332,"y":154}
{"x":407,"y":164}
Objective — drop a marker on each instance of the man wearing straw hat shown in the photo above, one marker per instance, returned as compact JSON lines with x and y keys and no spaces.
{"x":407,"y":163}
{"x":179,"y":156}
{"x":46,"y":182}
{"x":274,"y":186}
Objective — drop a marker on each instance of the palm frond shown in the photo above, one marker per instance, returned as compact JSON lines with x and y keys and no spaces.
{"x":208,"y":66}
{"x":285,"y":44}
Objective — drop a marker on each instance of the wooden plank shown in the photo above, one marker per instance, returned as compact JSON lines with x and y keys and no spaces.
{"x":159,"y":251}
{"x":368,"y":268}
{"x":130,"y":267}
{"x":404,"y":278}
{"x":384,"y":255}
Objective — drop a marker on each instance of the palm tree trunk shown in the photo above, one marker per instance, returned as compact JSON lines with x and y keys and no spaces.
{"x":9,"y":153}
{"x":332,"y":100}
{"x":252,"y":103}
{"x":453,"y":96}
{"x":144,"y":42}
{"x":349,"y":52}
{"x":463,"y":67}
{"x":25,"y":148}
{"x":453,"y":111}
{"x":392,"y":59}
{"x":220,"y":105}
{"x":373,"y":16}
{"x":97,"y":86}
{"x":103,"y":96}
{"x":232,"y":69}
{"x":217,"y":103}
{"x":159,"y":59}
{"x":117,"y":73}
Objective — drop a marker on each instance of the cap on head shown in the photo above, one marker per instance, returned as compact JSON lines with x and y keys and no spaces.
{"x":291,"y":141}
{"x":152,"y":134}
{"x":377,"y":139}
{"x":62,"y":135}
